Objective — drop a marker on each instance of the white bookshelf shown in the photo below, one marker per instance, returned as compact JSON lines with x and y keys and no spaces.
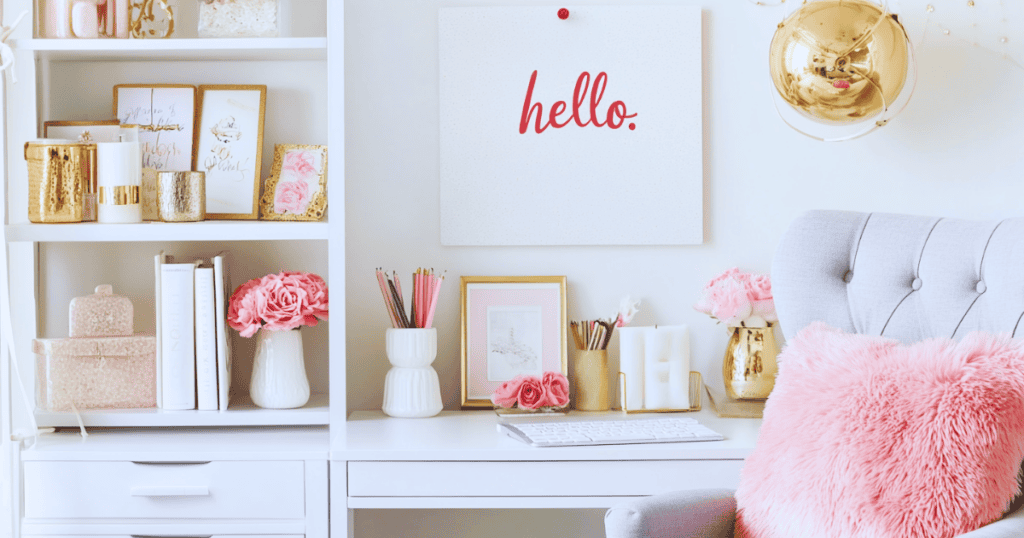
{"x":210,"y":230}
{"x":242,"y":413}
{"x":194,"y":49}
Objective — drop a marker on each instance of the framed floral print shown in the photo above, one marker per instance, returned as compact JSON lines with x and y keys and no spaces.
{"x":297,"y":187}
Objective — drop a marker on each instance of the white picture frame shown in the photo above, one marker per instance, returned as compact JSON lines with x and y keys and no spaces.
{"x":165,"y":114}
{"x":229,"y":148}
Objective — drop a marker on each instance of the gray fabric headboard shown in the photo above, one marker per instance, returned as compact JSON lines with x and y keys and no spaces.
{"x":901,"y":276}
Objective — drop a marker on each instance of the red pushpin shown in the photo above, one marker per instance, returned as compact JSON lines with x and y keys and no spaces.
{"x":563,"y":13}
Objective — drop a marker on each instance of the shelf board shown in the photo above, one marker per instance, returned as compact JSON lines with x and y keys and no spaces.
{"x":244,"y":413}
{"x":209,"y":230}
{"x":266,"y":48}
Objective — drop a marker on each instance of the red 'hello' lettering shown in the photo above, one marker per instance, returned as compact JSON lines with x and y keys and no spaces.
{"x":615,"y":116}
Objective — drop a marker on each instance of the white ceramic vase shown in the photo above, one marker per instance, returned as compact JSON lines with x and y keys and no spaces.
{"x":279,"y":370}
{"x":411,"y":389}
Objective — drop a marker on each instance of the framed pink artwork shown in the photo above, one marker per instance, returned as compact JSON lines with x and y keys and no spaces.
{"x":510,"y":326}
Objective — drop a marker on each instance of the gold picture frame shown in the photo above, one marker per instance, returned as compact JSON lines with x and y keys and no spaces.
{"x":298,"y":165}
{"x":229,"y":148}
{"x":79,"y":130}
{"x":534,"y":305}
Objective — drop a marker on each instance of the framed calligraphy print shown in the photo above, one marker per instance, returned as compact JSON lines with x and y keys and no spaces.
{"x":229,"y":148}
{"x":578,"y":126}
{"x":165,"y":114}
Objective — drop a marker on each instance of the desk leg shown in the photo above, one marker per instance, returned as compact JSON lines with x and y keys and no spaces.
{"x":342,"y":517}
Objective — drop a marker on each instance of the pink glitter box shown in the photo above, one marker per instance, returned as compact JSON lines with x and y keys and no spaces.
{"x":103,"y":365}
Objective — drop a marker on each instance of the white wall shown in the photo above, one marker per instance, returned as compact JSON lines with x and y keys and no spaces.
{"x":955,"y":151}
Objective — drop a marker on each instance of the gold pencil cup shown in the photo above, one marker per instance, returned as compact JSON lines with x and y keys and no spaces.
{"x":591,"y":380}
{"x":58,"y":175}
{"x":181,"y":196}
{"x":750,"y":364}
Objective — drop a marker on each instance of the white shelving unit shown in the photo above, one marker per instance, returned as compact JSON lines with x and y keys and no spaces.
{"x":50,"y":263}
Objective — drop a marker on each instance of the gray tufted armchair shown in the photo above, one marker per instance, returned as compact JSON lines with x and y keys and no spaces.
{"x":904,"y":277}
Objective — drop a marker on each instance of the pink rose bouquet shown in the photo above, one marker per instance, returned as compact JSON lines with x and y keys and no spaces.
{"x":278,"y":302}
{"x":548,"y":392}
{"x":739,"y":299}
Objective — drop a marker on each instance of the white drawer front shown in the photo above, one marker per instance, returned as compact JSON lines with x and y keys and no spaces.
{"x":537,"y":478}
{"x":213,"y":490}
{"x":165,"y":536}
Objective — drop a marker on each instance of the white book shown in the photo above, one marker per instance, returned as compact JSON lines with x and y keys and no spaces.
{"x":221,"y":288}
{"x":206,"y":341}
{"x":177,"y":336}
{"x":158,"y":260}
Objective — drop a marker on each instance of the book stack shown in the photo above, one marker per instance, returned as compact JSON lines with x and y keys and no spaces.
{"x":193,"y":348}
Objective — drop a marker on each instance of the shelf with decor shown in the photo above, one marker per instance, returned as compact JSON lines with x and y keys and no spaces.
{"x":241,"y":413}
{"x":210,"y":230}
{"x":209,"y":49}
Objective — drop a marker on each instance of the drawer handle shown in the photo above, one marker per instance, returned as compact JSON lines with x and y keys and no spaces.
{"x":170,"y":462}
{"x":170,"y":491}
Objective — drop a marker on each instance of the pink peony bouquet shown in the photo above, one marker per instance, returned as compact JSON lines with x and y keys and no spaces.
{"x":739,"y":299}
{"x":550,"y":391}
{"x":278,"y":302}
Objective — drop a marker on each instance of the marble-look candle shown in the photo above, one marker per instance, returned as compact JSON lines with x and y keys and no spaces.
{"x":118,"y":167}
{"x":631,"y":363}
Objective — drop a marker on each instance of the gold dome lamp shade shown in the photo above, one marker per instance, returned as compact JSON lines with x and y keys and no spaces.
{"x":842,"y":68}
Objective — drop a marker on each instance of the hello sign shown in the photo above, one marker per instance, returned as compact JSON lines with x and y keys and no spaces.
{"x":570,"y":131}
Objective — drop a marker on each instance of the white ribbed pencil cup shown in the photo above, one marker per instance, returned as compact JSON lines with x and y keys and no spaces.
{"x":411,"y":389}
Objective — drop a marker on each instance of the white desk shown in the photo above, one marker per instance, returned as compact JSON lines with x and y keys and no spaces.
{"x":459,"y":460}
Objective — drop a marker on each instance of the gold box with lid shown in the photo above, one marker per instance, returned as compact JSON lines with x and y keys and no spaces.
{"x":60,"y":173}
{"x":103,"y":364}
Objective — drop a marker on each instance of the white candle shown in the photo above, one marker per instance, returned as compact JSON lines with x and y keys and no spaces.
{"x":631,"y":363}
{"x":118,"y":170}
{"x":667,"y":368}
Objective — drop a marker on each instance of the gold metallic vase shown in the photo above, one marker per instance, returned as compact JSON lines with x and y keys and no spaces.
{"x":181,"y":196}
{"x":750,"y":365}
{"x":591,"y":380}
{"x":58,"y":177}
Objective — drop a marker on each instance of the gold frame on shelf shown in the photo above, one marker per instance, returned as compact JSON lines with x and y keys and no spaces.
{"x":257,"y":165}
{"x":317,"y":203}
{"x":466,"y":282}
{"x":696,"y":384}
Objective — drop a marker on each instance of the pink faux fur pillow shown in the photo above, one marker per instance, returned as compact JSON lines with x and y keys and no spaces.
{"x":864,"y":437}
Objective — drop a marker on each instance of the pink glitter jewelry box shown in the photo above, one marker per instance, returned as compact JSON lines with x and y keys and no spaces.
{"x":103,"y":365}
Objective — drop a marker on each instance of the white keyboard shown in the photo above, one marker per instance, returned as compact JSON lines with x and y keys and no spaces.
{"x":609,"y":432}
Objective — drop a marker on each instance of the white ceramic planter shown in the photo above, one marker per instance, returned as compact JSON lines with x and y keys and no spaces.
{"x":279,"y":371}
{"x":411,"y":388}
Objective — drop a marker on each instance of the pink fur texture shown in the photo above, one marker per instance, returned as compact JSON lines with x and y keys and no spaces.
{"x":864,"y":437}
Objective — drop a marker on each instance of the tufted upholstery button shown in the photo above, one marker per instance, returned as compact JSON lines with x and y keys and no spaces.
{"x":916,"y":284}
{"x":848,"y":277}
{"x":980,"y":287}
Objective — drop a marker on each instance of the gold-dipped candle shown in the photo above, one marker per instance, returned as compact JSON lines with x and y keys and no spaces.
{"x":181,"y":196}
{"x":57,"y":177}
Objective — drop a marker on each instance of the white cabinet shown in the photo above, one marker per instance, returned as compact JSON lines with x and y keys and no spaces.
{"x":276,"y":493}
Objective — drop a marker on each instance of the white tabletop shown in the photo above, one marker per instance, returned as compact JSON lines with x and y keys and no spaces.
{"x":473,"y":436}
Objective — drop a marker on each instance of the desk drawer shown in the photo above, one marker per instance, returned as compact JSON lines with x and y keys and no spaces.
{"x":537,"y":478}
{"x":209,"y":490}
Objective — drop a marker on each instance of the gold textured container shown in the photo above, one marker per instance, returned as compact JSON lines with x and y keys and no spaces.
{"x":181,"y":196}
{"x":750,"y":364}
{"x":591,"y":380}
{"x":58,"y":176}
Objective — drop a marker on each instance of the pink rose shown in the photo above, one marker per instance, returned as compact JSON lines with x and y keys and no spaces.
{"x":244,"y":306}
{"x":531,"y":393}
{"x":285,"y":304}
{"x":556,"y":389}
{"x":292,"y":197}
{"x":300,"y":163}
{"x":729,"y":274}
{"x":508,"y":392}
{"x":316,"y":295}
{"x":730,"y":302}
{"x":760,"y":287}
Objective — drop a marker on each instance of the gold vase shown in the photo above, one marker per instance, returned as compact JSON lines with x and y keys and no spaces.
{"x":591,"y":380}
{"x":750,"y":364}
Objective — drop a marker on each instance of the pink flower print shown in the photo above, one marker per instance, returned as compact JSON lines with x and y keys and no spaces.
{"x":291,"y":197}
{"x":299,"y":163}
